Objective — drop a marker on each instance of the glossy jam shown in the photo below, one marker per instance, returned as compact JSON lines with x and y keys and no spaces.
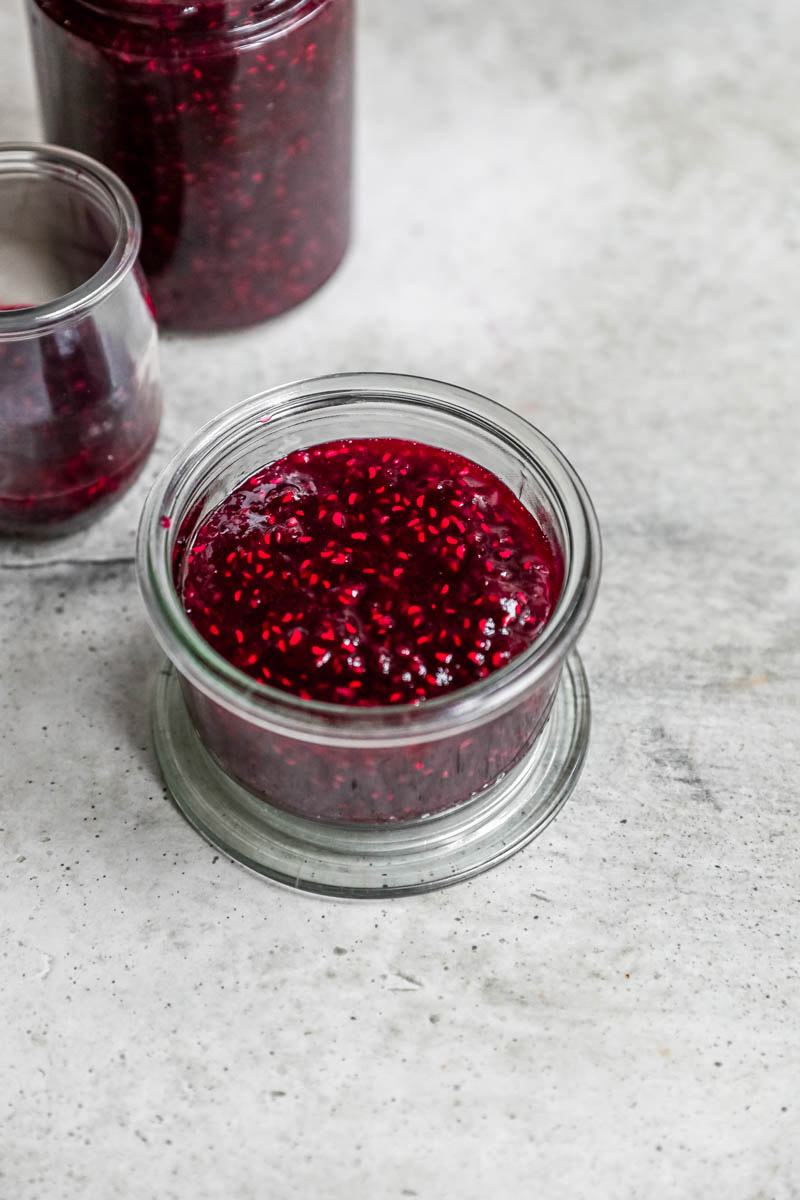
{"x":365,"y":572}
{"x":78,"y":419}
{"x":231,"y":124}
{"x":374,"y":571}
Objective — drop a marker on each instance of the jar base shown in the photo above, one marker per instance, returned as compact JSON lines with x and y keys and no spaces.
{"x":192,"y":321}
{"x":386,"y":860}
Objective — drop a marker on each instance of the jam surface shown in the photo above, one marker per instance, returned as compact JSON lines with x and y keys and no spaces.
{"x":369,"y":571}
{"x":231,"y":124}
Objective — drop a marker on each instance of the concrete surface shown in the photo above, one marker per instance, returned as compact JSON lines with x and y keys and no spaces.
{"x":589,"y":210}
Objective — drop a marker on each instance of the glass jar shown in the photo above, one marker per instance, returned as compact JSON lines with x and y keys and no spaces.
{"x":359,"y":800}
{"x":80,"y":400}
{"x":230,"y":122}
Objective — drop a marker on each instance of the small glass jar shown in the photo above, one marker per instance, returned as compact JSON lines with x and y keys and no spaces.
{"x":230,"y":121}
{"x":80,"y":401}
{"x":363,"y":800}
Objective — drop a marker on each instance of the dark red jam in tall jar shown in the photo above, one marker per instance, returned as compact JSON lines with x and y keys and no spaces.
{"x":80,"y":399}
{"x":368,"y":587}
{"x":230,"y":121}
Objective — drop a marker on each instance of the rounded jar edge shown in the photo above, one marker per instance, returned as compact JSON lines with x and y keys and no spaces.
{"x":76,"y":169}
{"x":143,"y":14}
{"x":464,"y":708}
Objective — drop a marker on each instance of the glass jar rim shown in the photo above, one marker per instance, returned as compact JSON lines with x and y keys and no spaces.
{"x":464,"y":708}
{"x":247,"y":21}
{"x":96,"y":182}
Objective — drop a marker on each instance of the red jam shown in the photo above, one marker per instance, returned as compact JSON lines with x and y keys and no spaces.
{"x":77,"y":422}
{"x":370,"y":571}
{"x":364,"y":572}
{"x":231,"y":124}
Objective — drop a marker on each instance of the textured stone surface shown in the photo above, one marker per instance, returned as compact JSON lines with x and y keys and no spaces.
{"x":589,"y":211}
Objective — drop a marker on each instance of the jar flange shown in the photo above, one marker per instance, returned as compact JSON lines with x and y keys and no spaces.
{"x":391,"y":859}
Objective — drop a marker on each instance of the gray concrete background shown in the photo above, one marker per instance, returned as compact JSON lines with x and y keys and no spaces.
{"x":589,"y":210}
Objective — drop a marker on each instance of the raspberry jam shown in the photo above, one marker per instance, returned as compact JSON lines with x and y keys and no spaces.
{"x":231,"y":124}
{"x":77,"y":422}
{"x":370,"y":571}
{"x":80,"y":399}
{"x":366,"y":572}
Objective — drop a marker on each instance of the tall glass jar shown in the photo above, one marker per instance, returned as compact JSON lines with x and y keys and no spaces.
{"x":80,"y":399}
{"x":230,"y":121}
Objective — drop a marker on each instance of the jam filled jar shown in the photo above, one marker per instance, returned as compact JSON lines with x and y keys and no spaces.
{"x":230,"y":121}
{"x":80,"y":400}
{"x":369,"y":588}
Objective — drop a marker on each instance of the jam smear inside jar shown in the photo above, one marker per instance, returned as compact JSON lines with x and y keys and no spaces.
{"x":361,"y":572}
{"x":231,"y":124}
{"x":80,"y":397}
{"x":78,"y":419}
